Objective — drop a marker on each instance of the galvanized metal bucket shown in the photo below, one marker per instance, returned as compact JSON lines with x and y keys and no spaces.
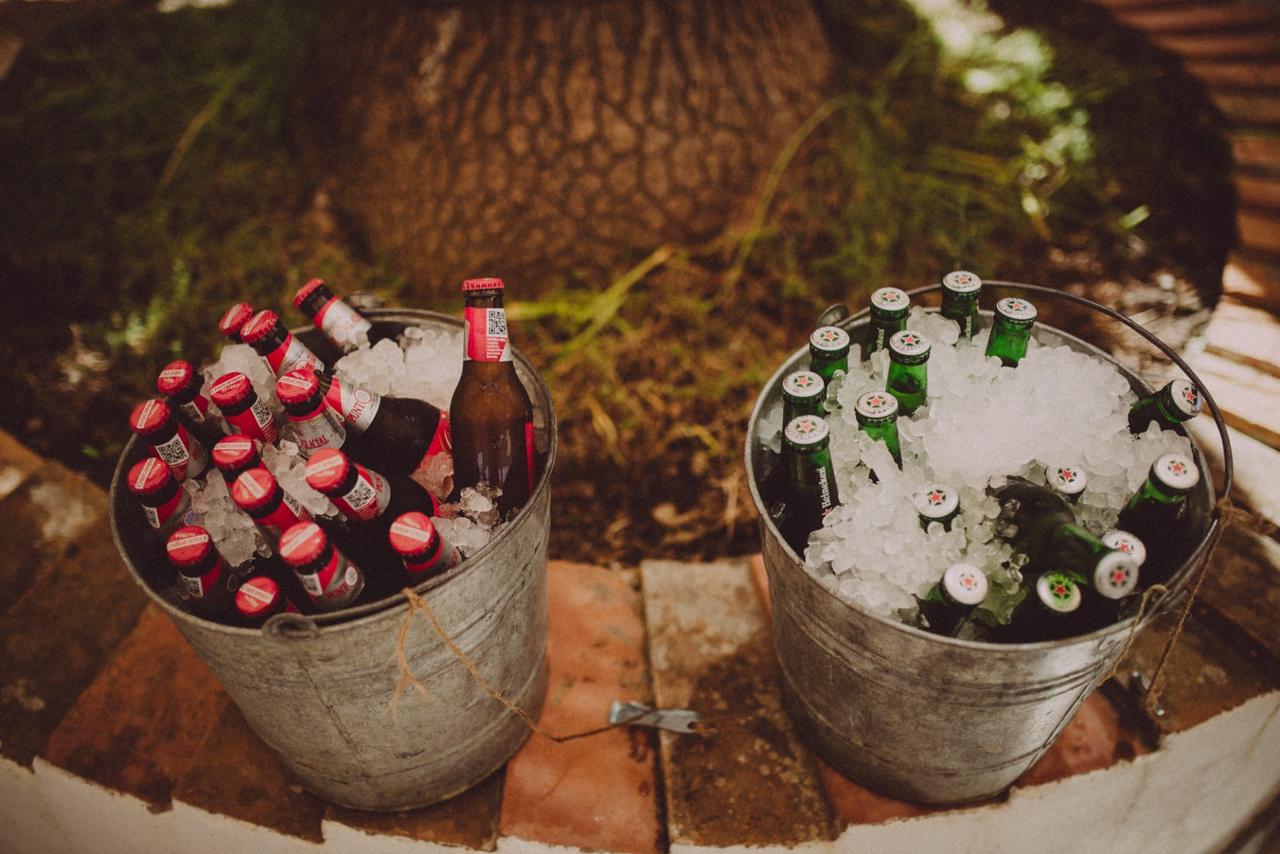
{"x":318,"y":689}
{"x":925,"y":717}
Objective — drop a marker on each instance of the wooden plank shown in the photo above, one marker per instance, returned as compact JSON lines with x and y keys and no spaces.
{"x":17,"y":462}
{"x":1260,"y":74}
{"x":1259,"y":230}
{"x":1252,"y":282}
{"x":1196,"y":17}
{"x":139,"y":726}
{"x":597,"y":793}
{"x":1247,"y":397}
{"x":54,"y":639}
{"x":1243,"y":585}
{"x":1258,"y":191}
{"x":1245,"y":334}
{"x":750,"y":782}
{"x":235,"y":774}
{"x":470,"y":820}
{"x":1256,"y":148}
{"x":1247,"y":108}
{"x":1223,"y":45}
{"x":1256,"y":469}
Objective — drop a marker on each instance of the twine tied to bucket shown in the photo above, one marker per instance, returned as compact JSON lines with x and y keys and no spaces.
{"x":419,"y":604}
{"x":1229,"y":515}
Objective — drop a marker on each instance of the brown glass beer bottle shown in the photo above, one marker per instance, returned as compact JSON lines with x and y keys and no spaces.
{"x":493,"y":439}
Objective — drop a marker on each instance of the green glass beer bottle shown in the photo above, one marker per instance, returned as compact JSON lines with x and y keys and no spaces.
{"x":811,"y":481}
{"x":889,"y":309}
{"x":1069,"y":481}
{"x":1155,"y":514}
{"x":877,"y":414}
{"x":936,"y":503}
{"x":1011,"y":330}
{"x":1051,"y":612}
{"x":960,"y":290}
{"x":829,"y":352}
{"x":1177,"y":402}
{"x":908,"y":378}
{"x":952,"y":600}
{"x":803,"y":393}
{"x":1123,"y":541}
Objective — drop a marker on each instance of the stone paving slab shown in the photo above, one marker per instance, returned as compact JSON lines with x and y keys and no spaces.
{"x":711,"y":650}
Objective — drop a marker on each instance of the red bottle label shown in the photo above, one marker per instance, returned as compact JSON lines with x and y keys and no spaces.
{"x":290,"y":512}
{"x":179,"y":504}
{"x":256,"y":422}
{"x":321,"y":429}
{"x":530,"y":451}
{"x":196,"y":409}
{"x":357,"y":406}
{"x":291,"y":355}
{"x":342,"y":323}
{"x":368,"y":498}
{"x":486,"y":334}
{"x":183,"y":454}
{"x":336,"y":584}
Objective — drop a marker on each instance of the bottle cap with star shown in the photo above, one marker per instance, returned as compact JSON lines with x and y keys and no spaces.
{"x":936,"y":502}
{"x":961,"y":283}
{"x":890,"y":303}
{"x":807,"y":432}
{"x":1175,"y":473}
{"x":909,"y":347}
{"x":875,"y":408}
{"x":1058,"y":592}
{"x":1123,"y":541}
{"x":965,"y":584}
{"x":1067,"y":479}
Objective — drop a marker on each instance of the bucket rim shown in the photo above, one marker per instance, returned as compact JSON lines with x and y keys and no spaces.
{"x":1161,"y":605}
{"x":332,"y":622}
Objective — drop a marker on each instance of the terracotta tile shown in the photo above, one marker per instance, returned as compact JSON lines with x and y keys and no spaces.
{"x":470,"y":820}
{"x":138,"y":727}
{"x":57,"y":635}
{"x":598,"y":792}
{"x":751,"y":782}
{"x":760,"y":578}
{"x":17,"y":462}
{"x":1256,"y":75}
{"x":1095,"y":738}
{"x":237,"y":775}
{"x":856,"y":804}
{"x":1260,"y":231}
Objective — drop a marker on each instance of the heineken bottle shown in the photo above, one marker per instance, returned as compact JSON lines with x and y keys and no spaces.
{"x":1156,"y":514}
{"x":1177,"y":402}
{"x":960,"y":290}
{"x":877,"y":414}
{"x":936,"y":503}
{"x":829,"y":352}
{"x":1069,"y":481}
{"x":802,"y":394}
{"x":810,"y":491}
{"x":1011,"y":330}
{"x":908,"y":379}
{"x":889,"y":308}
{"x":1123,"y":541}
{"x":1051,"y":612}
{"x":952,"y":600}
{"x":1023,"y":505}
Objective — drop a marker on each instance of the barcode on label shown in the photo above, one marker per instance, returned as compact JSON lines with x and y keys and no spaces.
{"x":497,"y":324}
{"x":361,"y":495}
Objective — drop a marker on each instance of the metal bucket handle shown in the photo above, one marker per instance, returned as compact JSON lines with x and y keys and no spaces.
{"x":833,"y":315}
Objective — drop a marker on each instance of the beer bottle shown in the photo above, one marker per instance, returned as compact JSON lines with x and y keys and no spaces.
{"x":1069,"y":481}
{"x":1011,"y":330}
{"x":803,"y":393}
{"x":889,"y":309}
{"x":283,"y":352}
{"x":1177,"y":402}
{"x":423,"y":552}
{"x":347,"y":328}
{"x":233,"y":321}
{"x":257,"y":493}
{"x":205,"y":584}
{"x":1123,"y":541}
{"x":811,"y":482}
{"x":960,"y":290}
{"x":182,"y":452}
{"x":877,"y":414}
{"x":165,"y":503}
{"x":829,"y":353}
{"x":936,"y":503}
{"x":1155,"y":514}
{"x":330,"y":580}
{"x":493,"y":436}
{"x":315,"y":424}
{"x":1051,"y":612}
{"x":395,"y":435}
{"x":246,"y":413}
{"x":953,"y":599}
{"x":234,"y":455}
{"x":1024,"y":506}
{"x":260,"y":598}
{"x":183,"y":388}
{"x":908,"y":378}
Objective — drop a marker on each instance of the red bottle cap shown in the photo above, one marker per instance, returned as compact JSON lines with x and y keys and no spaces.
{"x":491,"y":284}
{"x":259,"y":326}
{"x":327,"y":470}
{"x":303,"y":544}
{"x":297,"y":387}
{"x":305,"y":291}
{"x":231,"y":389}
{"x":150,"y":416}
{"x":253,"y":489}
{"x":233,"y":321}
{"x":234,"y":452}
{"x":412,"y":534}
{"x":256,"y":595}
{"x":190,"y":545}
{"x":175,"y":377}
{"x":149,"y":476}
